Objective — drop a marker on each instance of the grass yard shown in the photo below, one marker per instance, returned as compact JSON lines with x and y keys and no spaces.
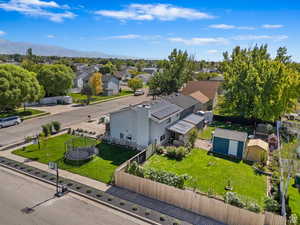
{"x":212,"y":173}
{"x":294,"y":200}
{"x":77,"y":97}
{"x":101,"y":167}
{"x":21,"y":113}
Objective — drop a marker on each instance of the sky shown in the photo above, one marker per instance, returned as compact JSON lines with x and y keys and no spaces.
{"x":151,"y":29}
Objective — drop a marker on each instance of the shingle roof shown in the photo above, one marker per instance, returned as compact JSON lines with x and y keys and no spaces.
{"x":182,"y":101}
{"x":181,"y":127}
{"x":165,"y":111}
{"x":231,"y":134}
{"x":193,"y":119}
{"x":199,"y":97}
{"x":258,"y":142}
{"x":208,"y":88}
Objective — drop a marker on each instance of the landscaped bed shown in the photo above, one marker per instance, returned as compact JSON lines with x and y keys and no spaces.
{"x":23,"y":113}
{"x":101,"y":167}
{"x":78,"y":98}
{"x":211,"y":174}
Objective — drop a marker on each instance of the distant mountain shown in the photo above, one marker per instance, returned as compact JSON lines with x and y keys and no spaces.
{"x":10,"y":47}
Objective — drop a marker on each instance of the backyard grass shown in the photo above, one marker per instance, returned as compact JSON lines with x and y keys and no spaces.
{"x":21,"y":113}
{"x":294,"y":200}
{"x":206,"y":133}
{"x":77,"y":97}
{"x":212,"y":173}
{"x":101,"y":167}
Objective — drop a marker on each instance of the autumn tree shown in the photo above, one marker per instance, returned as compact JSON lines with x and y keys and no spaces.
{"x":135,"y":83}
{"x":95,"y":81}
{"x":257,"y":86}
{"x":175,"y":71}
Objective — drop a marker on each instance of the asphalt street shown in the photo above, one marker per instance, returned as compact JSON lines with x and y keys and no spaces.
{"x":33,"y":126}
{"x":18,"y":193}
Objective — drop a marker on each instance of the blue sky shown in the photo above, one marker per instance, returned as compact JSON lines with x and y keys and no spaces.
{"x":150,"y":29}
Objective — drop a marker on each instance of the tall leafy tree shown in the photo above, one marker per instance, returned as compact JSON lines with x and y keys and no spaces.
{"x":174,"y":72}
{"x":135,"y":83}
{"x":96,"y":84}
{"x":109,"y":67}
{"x":56,"y":79}
{"x":87,"y":90}
{"x":17,"y":86}
{"x":282,"y":55}
{"x":256,"y":86}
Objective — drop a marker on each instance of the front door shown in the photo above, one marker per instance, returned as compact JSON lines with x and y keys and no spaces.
{"x":233,"y":148}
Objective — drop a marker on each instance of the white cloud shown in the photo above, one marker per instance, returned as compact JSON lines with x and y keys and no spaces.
{"x":165,"y":12}
{"x":199,"y":41}
{"x":132,"y":36}
{"x":272,"y":26}
{"x":39,"y":9}
{"x":212,"y":51}
{"x":50,"y":36}
{"x":259,"y":37}
{"x":127,"y":36}
{"x":2,"y":33}
{"x":228,"y":27}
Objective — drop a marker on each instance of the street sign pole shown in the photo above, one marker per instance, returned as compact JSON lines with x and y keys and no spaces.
{"x":57,"y":178}
{"x":53,"y":166}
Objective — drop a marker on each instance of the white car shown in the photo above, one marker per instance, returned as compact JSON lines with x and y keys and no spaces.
{"x":10,"y":121}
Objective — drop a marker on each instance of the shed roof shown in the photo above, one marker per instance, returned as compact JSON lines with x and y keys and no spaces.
{"x":231,"y":134}
{"x":181,"y":127}
{"x":200,"y":97}
{"x":258,"y":142}
{"x":193,"y":119}
{"x":208,"y":88}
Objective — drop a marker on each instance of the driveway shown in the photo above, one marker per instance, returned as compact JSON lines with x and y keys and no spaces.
{"x":47,"y":210}
{"x":33,"y":127}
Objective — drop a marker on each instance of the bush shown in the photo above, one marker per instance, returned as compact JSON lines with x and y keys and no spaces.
{"x":252,"y":206}
{"x":171,"y":152}
{"x":271,"y":205}
{"x":293,"y":220}
{"x":56,"y":126}
{"x":135,"y":169}
{"x":50,"y":128}
{"x":45,"y":130}
{"x":176,"y":153}
{"x":233,"y":199}
{"x":159,"y":150}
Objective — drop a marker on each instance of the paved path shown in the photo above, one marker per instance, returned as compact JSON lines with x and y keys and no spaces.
{"x":20,"y":192}
{"x":32,"y":127}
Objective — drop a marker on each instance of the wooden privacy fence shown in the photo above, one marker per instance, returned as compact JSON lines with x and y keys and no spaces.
{"x":197,"y":203}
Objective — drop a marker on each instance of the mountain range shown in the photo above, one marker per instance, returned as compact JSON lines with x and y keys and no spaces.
{"x":10,"y":47}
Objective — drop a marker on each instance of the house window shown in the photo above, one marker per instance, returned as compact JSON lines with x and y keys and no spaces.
{"x":129,"y":138}
{"x":162,"y":137}
{"x":121,"y":136}
{"x":169,"y":120}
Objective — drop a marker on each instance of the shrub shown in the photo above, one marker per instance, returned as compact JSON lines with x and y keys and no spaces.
{"x":252,"y":206}
{"x":271,"y":205}
{"x":171,"y":152}
{"x":233,"y":199}
{"x":159,"y":150}
{"x":293,"y":220}
{"x":193,"y":135}
{"x":50,"y":128}
{"x":56,"y":126}
{"x":176,"y":153}
{"x":45,"y":130}
{"x":135,"y":169}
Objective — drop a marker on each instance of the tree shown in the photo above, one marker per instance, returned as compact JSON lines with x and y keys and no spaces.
{"x":88,"y":91}
{"x":282,"y":55}
{"x":193,"y":135}
{"x":108,"y":68}
{"x":176,"y":71}
{"x":17,"y":86}
{"x":95,"y":83}
{"x":56,"y":79}
{"x":135,"y":83}
{"x":256,"y":86}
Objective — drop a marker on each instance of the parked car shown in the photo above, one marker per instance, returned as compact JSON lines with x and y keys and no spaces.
{"x":139,"y":92}
{"x":10,"y":121}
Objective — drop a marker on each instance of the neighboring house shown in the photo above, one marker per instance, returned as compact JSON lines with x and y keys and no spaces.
{"x":202,"y":99}
{"x":257,"y":150}
{"x":217,"y":78}
{"x":111,"y":85}
{"x":150,"y":70}
{"x":145,"y":77}
{"x":229,"y":142}
{"x":209,"y":70}
{"x":83,"y":73}
{"x":208,"y":89}
{"x":155,"y":122}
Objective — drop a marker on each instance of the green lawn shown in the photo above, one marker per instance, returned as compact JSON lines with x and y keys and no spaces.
{"x":77,"y":97}
{"x":210,"y":172}
{"x":294,"y":200}
{"x":23,"y":114}
{"x":101,"y":167}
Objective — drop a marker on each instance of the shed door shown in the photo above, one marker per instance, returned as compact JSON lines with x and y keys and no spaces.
{"x":233,"y":148}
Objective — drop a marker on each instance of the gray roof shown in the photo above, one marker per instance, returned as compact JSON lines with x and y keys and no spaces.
{"x":165,"y":111}
{"x":181,"y":127}
{"x":182,"y":101}
{"x":193,"y":119}
{"x":231,"y":134}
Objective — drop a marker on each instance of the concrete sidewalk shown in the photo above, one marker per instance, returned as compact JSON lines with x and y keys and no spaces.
{"x":63,"y":173}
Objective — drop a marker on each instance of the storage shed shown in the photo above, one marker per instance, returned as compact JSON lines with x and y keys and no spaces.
{"x":257,"y":150}
{"x":229,"y":142}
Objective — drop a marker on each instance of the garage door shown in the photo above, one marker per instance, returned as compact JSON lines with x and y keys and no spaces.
{"x":233,"y":148}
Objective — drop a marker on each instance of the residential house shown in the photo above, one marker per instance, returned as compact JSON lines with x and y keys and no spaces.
{"x":145,"y":77}
{"x":199,"y":89}
{"x":111,"y":85}
{"x":150,"y":70}
{"x":229,"y":143}
{"x":83,"y":73}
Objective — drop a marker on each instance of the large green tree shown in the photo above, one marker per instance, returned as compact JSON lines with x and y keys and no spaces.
{"x":17,"y":86}
{"x":174,"y":72}
{"x":56,"y":79}
{"x":135,"y":83}
{"x":257,"y":86}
